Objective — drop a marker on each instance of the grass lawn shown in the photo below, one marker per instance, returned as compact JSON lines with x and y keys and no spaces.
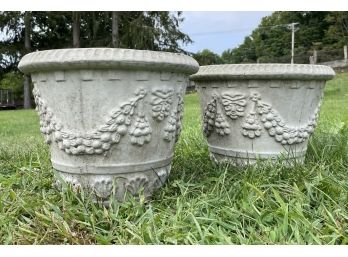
{"x":200,"y":204}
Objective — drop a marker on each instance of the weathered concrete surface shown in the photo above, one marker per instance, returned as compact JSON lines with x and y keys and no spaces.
{"x":110,"y":116}
{"x":260,"y":111}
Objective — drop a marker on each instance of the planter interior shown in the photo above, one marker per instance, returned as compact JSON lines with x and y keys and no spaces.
{"x":260,"y":111}
{"x":110,"y":116}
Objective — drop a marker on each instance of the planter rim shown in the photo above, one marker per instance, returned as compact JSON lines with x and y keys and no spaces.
{"x":107,"y":58}
{"x":263,"y":71}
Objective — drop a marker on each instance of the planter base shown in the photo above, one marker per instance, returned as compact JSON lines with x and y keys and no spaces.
{"x":105,"y":186}
{"x":244,"y":159}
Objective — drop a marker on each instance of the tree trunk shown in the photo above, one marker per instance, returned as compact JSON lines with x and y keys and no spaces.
{"x":95,"y":26}
{"x":115,"y":25}
{"x":27,"y":81}
{"x":76,"y":29}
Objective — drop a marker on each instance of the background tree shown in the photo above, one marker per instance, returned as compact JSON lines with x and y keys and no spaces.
{"x":27,"y":46}
{"x":11,"y":41}
{"x":271,"y":40}
{"x":53,"y":30}
{"x":207,"y":57}
{"x":115,"y":27}
{"x":76,"y":29}
{"x":246,"y":53}
{"x":337,"y":33}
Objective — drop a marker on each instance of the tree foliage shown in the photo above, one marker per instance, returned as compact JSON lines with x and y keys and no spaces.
{"x":13,"y":80}
{"x":11,"y":40}
{"x":207,"y":57}
{"x":337,"y":33}
{"x":51,"y":30}
{"x":271,"y":40}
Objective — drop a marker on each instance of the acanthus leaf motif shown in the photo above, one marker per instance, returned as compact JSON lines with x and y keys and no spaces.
{"x":103,"y":188}
{"x":137,"y":184}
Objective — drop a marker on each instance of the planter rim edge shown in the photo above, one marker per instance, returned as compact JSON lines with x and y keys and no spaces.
{"x":263,"y":71}
{"x":107,"y":58}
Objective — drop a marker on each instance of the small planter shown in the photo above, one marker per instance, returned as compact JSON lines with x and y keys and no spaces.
{"x":260,"y":111}
{"x":110,"y":116}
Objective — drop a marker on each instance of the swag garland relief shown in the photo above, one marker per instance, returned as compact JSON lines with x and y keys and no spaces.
{"x":261,"y":114}
{"x":129,"y":119}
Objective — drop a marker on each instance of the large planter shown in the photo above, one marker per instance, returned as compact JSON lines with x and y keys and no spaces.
{"x":260,"y":111}
{"x":110,"y":116}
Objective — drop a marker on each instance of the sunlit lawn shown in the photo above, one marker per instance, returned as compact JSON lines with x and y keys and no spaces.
{"x":200,"y":204}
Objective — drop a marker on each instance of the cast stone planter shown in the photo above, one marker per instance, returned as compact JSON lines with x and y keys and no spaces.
{"x":260,"y":111}
{"x":110,"y":116}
